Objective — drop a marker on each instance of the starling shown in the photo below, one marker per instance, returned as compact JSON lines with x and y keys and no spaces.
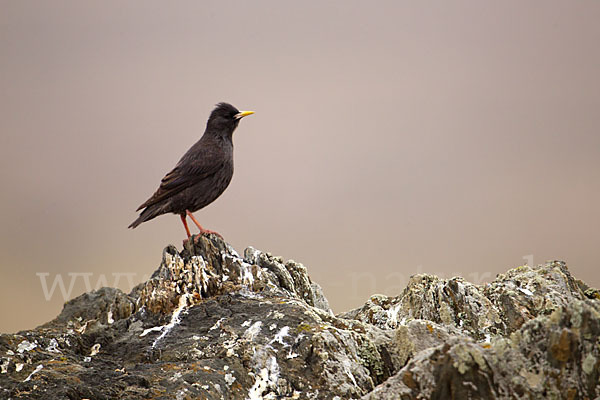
{"x":202,"y":174}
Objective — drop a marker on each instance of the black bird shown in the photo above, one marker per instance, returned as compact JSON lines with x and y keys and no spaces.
{"x":202,"y":174}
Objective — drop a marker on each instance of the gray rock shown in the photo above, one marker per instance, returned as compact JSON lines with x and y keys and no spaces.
{"x":550,"y":356}
{"x":211,"y":324}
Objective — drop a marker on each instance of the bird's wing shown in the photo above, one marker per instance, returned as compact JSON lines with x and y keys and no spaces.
{"x":182,"y":176}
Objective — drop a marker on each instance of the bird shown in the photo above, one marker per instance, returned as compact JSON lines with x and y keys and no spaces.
{"x":201,"y":175}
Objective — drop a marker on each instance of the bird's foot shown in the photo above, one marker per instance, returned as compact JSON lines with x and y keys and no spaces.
{"x":202,"y":230}
{"x":207,"y":232}
{"x":197,"y":237}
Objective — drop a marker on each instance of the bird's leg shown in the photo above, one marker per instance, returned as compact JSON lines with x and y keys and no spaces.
{"x":187,"y":230}
{"x":202,"y":230}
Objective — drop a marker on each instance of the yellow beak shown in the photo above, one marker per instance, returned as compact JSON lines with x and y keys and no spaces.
{"x":242,"y":114}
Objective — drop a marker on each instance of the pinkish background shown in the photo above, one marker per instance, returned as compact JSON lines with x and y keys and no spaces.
{"x":390,"y":138}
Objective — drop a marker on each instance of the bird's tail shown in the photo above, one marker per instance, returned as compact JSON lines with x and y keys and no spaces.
{"x":146,"y":215}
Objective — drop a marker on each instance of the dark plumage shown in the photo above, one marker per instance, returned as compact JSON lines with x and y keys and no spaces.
{"x":202,"y":174}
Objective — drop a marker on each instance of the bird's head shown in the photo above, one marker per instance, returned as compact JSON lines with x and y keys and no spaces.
{"x":224,"y":119}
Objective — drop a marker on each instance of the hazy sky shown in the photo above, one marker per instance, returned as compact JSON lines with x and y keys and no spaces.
{"x":390,"y":138}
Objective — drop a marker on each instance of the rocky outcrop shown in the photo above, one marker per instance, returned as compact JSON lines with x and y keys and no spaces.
{"x":212,"y":324}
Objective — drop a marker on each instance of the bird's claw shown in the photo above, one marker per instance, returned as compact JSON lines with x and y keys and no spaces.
{"x":207,"y":232}
{"x":197,"y":237}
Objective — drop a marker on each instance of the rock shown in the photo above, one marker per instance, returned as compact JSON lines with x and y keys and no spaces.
{"x":551,"y":356}
{"x":498,"y":308}
{"x":212,"y":324}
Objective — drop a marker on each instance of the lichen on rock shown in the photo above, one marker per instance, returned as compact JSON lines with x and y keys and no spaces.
{"x":212,"y":324}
